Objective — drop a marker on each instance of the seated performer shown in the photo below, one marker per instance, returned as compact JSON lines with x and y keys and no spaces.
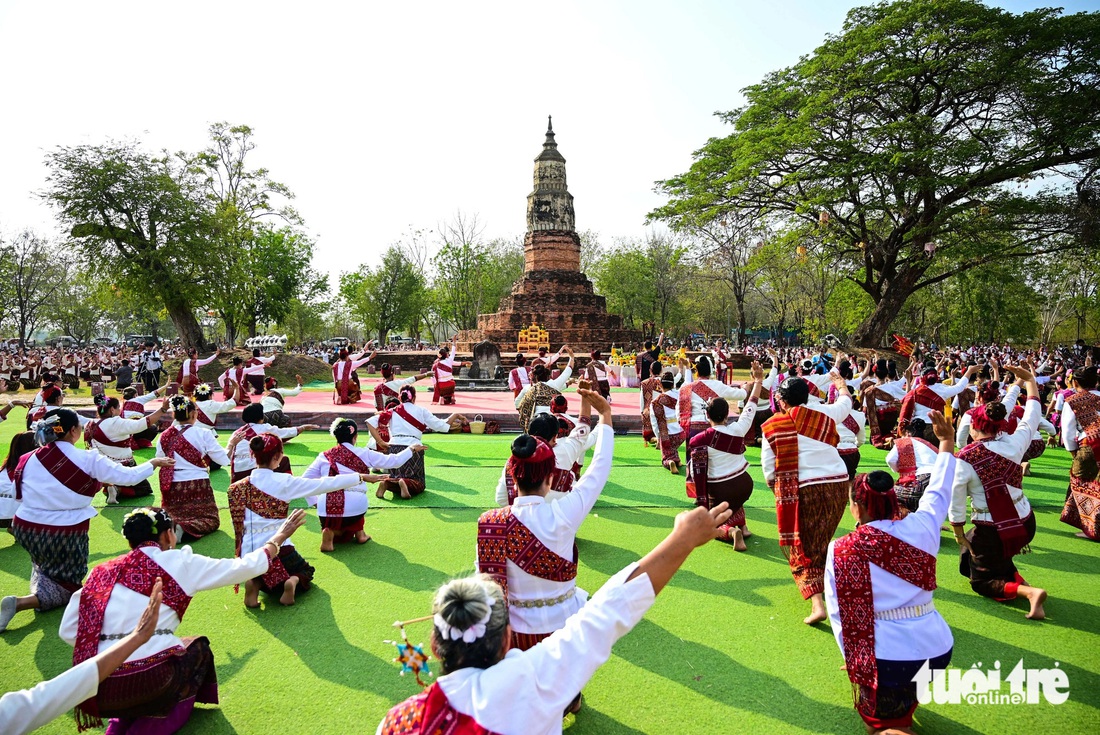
{"x":520,"y":376}
{"x":56,"y":484}
{"x":931,"y":395}
{"x":404,"y":426}
{"x":912,"y":457}
{"x":718,"y":471}
{"x":164,"y":678}
{"x":390,"y":388}
{"x":241,"y":462}
{"x":647,"y":389}
{"x":810,"y":481}
{"x":208,"y":408}
{"x":443,"y":374}
{"x":568,"y":456}
{"x":21,"y":443}
{"x":188,"y":374}
{"x":185,"y":490}
{"x":882,"y":398}
{"x":695,"y":394}
{"x":1080,"y":424}
{"x":878,"y":588}
{"x":110,"y":436}
{"x":539,"y":584}
{"x":274,"y":400}
{"x":596,"y":371}
{"x":664,"y":421}
{"x":535,"y":398}
{"x":489,"y":685}
{"x":989,"y":473}
{"x":259,"y":504}
{"x":345,"y":380}
{"x":341,"y":512}
{"x":133,"y":407}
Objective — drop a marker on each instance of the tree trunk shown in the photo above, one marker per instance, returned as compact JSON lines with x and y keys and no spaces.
{"x":872,"y":331}
{"x":187,"y":326}
{"x":740,"y":323}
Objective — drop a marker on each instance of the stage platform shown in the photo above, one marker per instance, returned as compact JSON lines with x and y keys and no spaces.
{"x":316,"y":407}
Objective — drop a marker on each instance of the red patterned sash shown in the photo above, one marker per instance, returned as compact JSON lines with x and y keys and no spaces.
{"x":852,"y":559}
{"x":648,"y":386}
{"x":203,"y":418}
{"x":61,"y":468}
{"x":782,"y":431}
{"x":657,"y":409}
{"x":699,"y":388}
{"x":135,"y":571}
{"x":244,"y":495}
{"x":501,"y":538}
{"x":100,"y":437}
{"x":907,"y":458}
{"x":133,"y":407}
{"x":343,"y":382}
{"x":851,"y":424}
{"x":246,"y":432}
{"x":334,"y":501}
{"x":381,"y":393}
{"x":923,"y":395}
{"x":410,"y":419}
{"x":996,"y":473}
{"x":700,"y":458}
{"x":173,"y":442}
{"x":1086,"y":408}
{"x":444,"y":373}
{"x":429,"y":713}
{"x":561,"y":481}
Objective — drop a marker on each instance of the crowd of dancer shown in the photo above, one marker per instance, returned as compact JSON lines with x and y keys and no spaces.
{"x":519,"y":642}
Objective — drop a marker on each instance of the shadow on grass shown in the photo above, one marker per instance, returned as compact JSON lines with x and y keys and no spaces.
{"x":386,"y":564}
{"x":1060,"y":612}
{"x":592,"y":720}
{"x":713,"y":674}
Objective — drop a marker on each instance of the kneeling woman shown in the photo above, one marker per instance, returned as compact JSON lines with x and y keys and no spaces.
{"x":111,"y":437}
{"x":341,"y":512}
{"x":912,"y":457}
{"x":718,"y":472}
{"x":404,"y":426}
{"x":185,"y":490}
{"x":489,"y":686}
{"x":157,"y":687}
{"x":258,"y":505}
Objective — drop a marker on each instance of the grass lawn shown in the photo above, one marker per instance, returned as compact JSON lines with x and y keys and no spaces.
{"x":722,"y":650}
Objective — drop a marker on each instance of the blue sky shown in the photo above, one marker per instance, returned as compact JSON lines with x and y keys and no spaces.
{"x":382,"y":116}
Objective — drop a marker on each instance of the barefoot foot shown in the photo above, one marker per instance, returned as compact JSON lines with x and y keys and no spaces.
{"x":739,"y":539}
{"x":327,"y":540}
{"x":289,"y":588}
{"x":404,"y":489}
{"x":1037,"y":597}
{"x":381,"y":492}
{"x":817,"y":610}
{"x":362,"y":537}
{"x":251,"y":594}
{"x":745,"y":530}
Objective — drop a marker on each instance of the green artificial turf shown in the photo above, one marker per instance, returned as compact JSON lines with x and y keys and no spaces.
{"x":722,"y":650}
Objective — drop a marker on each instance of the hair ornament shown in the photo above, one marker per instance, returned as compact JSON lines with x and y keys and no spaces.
{"x":469,"y":635}
{"x":147,"y":512}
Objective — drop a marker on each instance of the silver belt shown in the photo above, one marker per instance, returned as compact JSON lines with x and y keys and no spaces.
{"x":550,"y":602}
{"x":120,"y":636}
{"x":907,"y":612}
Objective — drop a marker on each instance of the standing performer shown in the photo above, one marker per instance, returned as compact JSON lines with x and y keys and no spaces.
{"x":597,"y":375}
{"x":188,"y":374}
{"x":156,"y":689}
{"x":241,"y":461}
{"x":810,"y":481}
{"x":529,"y":548}
{"x":149,"y":366}
{"x":390,"y":388}
{"x":345,"y":380}
{"x":648,"y":388}
{"x":110,"y":436}
{"x":258,"y":506}
{"x":912,"y":457}
{"x":718,"y":471}
{"x":404,"y":426}
{"x":695,"y":395}
{"x":208,"y":408}
{"x":185,"y":490}
{"x":259,"y":373}
{"x":341,"y":512}
{"x":443,"y":374}
{"x":56,"y":484}
{"x":721,"y":362}
{"x":233,"y":382}
{"x":989,"y":473}
{"x":878,"y":588}
{"x":1080,"y":423}
{"x":274,"y":400}
{"x":520,"y":376}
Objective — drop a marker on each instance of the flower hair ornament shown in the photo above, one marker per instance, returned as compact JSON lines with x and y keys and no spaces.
{"x":147,"y":512}
{"x":469,"y":635}
{"x":179,"y":402}
{"x":203,"y":389}
{"x":337,"y":422}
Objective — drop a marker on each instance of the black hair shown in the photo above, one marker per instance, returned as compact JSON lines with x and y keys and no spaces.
{"x":540,"y":373}
{"x":795,"y":391}
{"x":702,"y":364}
{"x":916,"y":427}
{"x":21,"y":443}
{"x":181,"y":406}
{"x":1086,"y":377}
{"x":668,"y":380}
{"x":718,"y":410}
{"x":655,"y":369}
{"x":139,"y":528}
{"x":103,"y":405}
{"x":253,"y":413}
{"x":544,"y":426}
{"x":344,"y":430}
{"x":996,"y":411}
{"x":462,"y":603}
{"x":256,"y":352}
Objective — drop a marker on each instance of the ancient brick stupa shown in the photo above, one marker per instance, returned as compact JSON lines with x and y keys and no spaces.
{"x":553,"y":292}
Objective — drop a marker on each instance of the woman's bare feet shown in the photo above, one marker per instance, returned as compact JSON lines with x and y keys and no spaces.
{"x":327,"y":540}
{"x":745,"y":530}
{"x":252,"y":593}
{"x":380,"y":493}
{"x":362,"y":537}
{"x":739,"y":539}
{"x":289,"y":588}
{"x":817,"y":610}
{"x":404,"y":489}
{"x":1036,"y":597}
{"x":673,"y":468}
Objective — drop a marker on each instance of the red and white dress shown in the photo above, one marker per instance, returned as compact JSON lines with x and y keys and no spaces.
{"x":343,"y":511}
{"x":185,"y":490}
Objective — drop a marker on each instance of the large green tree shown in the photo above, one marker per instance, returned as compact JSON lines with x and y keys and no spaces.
{"x":385,"y":298}
{"x":928,"y":138}
{"x":139,"y":222}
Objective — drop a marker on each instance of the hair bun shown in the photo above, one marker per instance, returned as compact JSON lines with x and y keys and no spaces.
{"x":256,"y":443}
{"x":524,"y":446}
{"x":996,"y":411}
